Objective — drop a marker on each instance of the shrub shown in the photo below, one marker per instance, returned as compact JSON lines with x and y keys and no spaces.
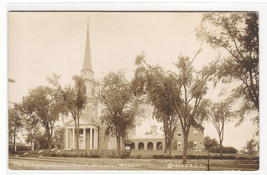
{"x":222,"y":157}
{"x":139,"y":157}
{"x":178,"y":156}
{"x":125,"y":155}
{"x":94,"y":156}
{"x":227,"y":149}
{"x":167,"y":157}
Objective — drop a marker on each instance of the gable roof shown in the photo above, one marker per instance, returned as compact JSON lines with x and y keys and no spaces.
{"x":84,"y":120}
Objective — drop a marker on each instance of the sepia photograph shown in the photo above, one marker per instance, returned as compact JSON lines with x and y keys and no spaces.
{"x":133,"y":91}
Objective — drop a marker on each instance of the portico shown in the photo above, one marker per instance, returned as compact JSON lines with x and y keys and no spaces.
{"x":87,"y":137}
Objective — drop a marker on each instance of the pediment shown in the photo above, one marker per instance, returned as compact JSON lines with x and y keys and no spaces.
{"x":81,"y":121}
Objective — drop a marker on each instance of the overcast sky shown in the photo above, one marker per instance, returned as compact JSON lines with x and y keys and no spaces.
{"x":42,"y":43}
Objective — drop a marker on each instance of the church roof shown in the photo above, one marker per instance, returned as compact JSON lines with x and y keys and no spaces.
{"x":84,"y":120}
{"x":87,"y":63}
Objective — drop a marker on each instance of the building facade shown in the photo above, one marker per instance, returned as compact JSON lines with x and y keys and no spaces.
{"x":91,"y":132}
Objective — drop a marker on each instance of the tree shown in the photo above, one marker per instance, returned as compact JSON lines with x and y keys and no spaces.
{"x":58,"y":139}
{"x":155,"y":83}
{"x":251,"y":147}
{"x":15,"y":123}
{"x":40,"y":141}
{"x":47,"y":104}
{"x":209,"y":144}
{"x":30,"y":119}
{"x":237,"y":33}
{"x":119,"y":106}
{"x":219,"y":114}
{"x":75,"y":101}
{"x":186,"y":87}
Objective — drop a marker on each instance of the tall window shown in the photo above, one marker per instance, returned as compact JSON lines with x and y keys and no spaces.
{"x":141,"y":146}
{"x":195,"y":144}
{"x":133,"y":145}
{"x":179,"y":134}
{"x":159,"y":146}
{"x":179,"y":145}
{"x":150,"y":146}
{"x":195,"y":133}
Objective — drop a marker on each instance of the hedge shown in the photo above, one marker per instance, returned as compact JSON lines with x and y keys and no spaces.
{"x":227,"y":149}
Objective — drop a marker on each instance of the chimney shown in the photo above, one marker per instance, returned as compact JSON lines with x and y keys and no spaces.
{"x":154,"y":130}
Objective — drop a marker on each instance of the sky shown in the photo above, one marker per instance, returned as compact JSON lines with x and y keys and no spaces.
{"x":42,"y":43}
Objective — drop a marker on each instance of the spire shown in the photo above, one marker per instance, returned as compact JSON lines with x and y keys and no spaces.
{"x":87,"y":63}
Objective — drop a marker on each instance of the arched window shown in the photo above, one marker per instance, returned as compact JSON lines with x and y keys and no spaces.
{"x":133,"y":145}
{"x":159,"y":146}
{"x":141,"y":146}
{"x":149,"y":146}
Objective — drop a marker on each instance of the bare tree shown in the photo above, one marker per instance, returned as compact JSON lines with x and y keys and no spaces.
{"x":219,"y":114}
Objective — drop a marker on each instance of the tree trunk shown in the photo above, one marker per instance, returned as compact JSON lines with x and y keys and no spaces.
{"x":170,"y":147}
{"x":185,"y":147}
{"x":118,"y":145}
{"x":49,"y":143}
{"x":15,"y":146}
{"x":77,"y":134}
{"x":31,"y":144}
{"x":208,"y":160}
{"x":165,"y":149}
{"x":221,"y":151}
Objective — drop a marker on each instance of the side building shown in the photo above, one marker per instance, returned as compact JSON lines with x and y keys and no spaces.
{"x":153,"y":143}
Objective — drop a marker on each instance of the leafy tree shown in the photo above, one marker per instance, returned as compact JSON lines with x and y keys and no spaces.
{"x":15,"y":123}
{"x":47,"y":104}
{"x":209,"y":144}
{"x":251,"y":147}
{"x":75,"y":101}
{"x":219,"y":114}
{"x":30,"y":119}
{"x":58,"y":138}
{"x":119,"y":106}
{"x":186,"y":89}
{"x":154,"y":82}
{"x":237,"y":34}
{"x":41,"y":141}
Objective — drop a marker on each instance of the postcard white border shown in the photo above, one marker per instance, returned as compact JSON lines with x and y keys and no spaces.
{"x":60,"y":5}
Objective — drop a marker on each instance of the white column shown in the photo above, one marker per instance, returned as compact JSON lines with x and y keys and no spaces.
{"x":73,"y":138}
{"x":91,"y":138}
{"x":67,"y":138}
{"x":96,"y":139}
{"x":84,"y":134}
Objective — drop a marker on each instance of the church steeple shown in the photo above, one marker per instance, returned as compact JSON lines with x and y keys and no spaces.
{"x":87,"y":71}
{"x":88,"y":76}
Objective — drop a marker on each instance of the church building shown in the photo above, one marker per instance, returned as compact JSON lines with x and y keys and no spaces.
{"x":92,"y":132}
